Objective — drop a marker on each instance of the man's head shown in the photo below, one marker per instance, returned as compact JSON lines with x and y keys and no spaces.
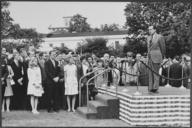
{"x":4,"y":51}
{"x":138,"y":56}
{"x":129,"y":56}
{"x":90,"y":59}
{"x":152,"y":29}
{"x":112,"y":58}
{"x":52,"y":55}
{"x":106,"y":56}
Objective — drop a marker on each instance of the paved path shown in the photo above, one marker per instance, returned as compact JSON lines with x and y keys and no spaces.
{"x":61,"y":119}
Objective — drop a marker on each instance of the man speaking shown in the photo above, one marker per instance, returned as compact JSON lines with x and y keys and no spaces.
{"x":156,"y":52}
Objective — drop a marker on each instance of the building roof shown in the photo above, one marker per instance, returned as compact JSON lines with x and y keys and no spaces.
{"x":64,"y":34}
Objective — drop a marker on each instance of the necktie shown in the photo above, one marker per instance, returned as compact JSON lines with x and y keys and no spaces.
{"x":150,"y":42}
{"x":53,"y":63}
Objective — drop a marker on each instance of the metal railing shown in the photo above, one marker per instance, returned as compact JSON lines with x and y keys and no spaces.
{"x":87,"y":84}
{"x":82,"y":79}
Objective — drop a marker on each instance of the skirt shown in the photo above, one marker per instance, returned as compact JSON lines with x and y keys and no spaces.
{"x":8,"y":89}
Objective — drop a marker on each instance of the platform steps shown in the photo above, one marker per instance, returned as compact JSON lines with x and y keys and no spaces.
{"x":103,"y":107}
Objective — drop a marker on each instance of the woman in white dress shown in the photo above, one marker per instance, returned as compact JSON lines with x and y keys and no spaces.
{"x":34,"y":89}
{"x":71,"y":83}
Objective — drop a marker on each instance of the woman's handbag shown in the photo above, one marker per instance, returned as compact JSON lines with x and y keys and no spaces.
{"x":12,"y":82}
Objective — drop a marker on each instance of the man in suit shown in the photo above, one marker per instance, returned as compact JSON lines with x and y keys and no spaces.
{"x":52,"y":86}
{"x":156,"y":52}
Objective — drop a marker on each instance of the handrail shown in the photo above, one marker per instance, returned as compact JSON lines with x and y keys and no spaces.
{"x":83,"y":78}
{"x":88,"y":83}
{"x":118,"y":79}
{"x":97,"y":76}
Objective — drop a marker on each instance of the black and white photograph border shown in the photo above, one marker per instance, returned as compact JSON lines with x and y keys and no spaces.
{"x":97,"y":63}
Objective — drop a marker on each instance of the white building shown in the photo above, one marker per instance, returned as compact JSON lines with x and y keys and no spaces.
{"x":71,"y":40}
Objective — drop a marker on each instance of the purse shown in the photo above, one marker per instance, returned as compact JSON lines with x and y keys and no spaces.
{"x":12,"y":82}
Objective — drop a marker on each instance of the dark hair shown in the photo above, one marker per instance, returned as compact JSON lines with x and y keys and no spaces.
{"x":89,"y":57}
{"x":41,"y":54}
{"x":52,"y":51}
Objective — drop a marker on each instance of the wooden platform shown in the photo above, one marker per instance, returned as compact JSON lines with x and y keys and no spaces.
{"x":171,"y":106}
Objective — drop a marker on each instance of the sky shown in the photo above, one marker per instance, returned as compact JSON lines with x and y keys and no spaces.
{"x":40,"y":15}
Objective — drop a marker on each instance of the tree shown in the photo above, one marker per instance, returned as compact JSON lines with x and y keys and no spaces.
{"x":117,"y":51}
{"x":79,"y":23}
{"x":63,"y":49}
{"x":111,"y":27}
{"x":171,"y":18}
{"x":6,"y":20}
{"x":135,"y":45}
{"x":22,"y":36}
{"x":96,"y":45}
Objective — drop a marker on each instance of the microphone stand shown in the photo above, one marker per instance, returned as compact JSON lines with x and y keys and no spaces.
{"x":137,"y":93}
{"x":168,"y":85}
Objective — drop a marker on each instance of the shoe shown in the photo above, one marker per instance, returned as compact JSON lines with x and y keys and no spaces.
{"x":49,"y":110}
{"x":33,"y":111}
{"x":36,"y":112}
{"x":69,"y":110}
{"x":56,"y":110}
{"x":8,"y":110}
{"x":2,"y":110}
{"x":73,"y":110}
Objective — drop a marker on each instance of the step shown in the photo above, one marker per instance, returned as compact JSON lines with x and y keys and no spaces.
{"x":91,"y":114}
{"x":101,"y":108}
{"x":107,"y":99}
{"x":111,"y":102}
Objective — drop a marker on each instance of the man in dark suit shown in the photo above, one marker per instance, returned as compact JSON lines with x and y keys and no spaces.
{"x":156,"y":52}
{"x":52,"y":86}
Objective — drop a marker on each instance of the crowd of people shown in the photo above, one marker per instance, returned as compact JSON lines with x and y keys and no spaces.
{"x":32,"y":80}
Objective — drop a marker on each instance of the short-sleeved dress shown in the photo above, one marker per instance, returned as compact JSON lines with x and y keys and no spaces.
{"x":34,"y":85}
{"x":8,"y":88}
{"x":71,"y":83}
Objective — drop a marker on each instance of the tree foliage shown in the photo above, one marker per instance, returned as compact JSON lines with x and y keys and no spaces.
{"x":24,"y":35}
{"x":108,"y":28}
{"x":95,"y":45}
{"x":172,"y":19}
{"x":79,"y":23}
{"x":6,"y":20}
{"x":63,"y":49}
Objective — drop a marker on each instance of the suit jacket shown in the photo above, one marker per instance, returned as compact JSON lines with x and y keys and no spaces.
{"x":157,"y":48}
{"x":51,"y":71}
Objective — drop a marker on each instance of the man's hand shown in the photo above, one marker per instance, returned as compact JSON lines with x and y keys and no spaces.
{"x":56,"y":79}
{"x":61,"y":80}
{"x":20,"y":81}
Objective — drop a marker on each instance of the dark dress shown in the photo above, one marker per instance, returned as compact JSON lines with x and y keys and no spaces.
{"x":83,"y":89}
{"x":26,"y":101}
{"x":143,"y":75}
{"x":176,"y":73}
{"x":18,"y":90}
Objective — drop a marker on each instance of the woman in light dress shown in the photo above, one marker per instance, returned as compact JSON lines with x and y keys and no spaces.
{"x":99,"y":81}
{"x":34,"y":89}
{"x":8,"y":90}
{"x":71,"y":83}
